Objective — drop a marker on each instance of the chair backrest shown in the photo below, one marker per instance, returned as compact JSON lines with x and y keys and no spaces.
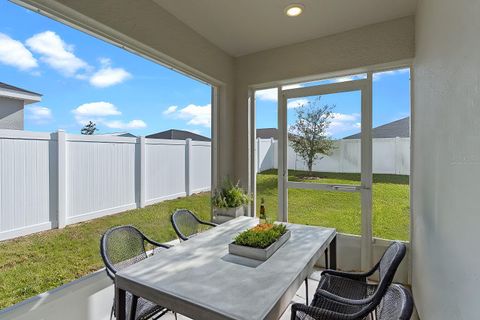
{"x":396,"y":304}
{"x":390,"y":261}
{"x":185,"y":223}
{"x":387,"y":267}
{"x":121,"y":247}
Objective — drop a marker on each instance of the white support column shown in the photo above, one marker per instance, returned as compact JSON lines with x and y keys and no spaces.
{"x":282,"y":157}
{"x":62,"y":179}
{"x":214,"y":142}
{"x":143,"y":176}
{"x":253,"y":154}
{"x":188,"y":167}
{"x":366,"y":175}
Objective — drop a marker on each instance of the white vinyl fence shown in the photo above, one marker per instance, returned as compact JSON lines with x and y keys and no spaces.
{"x":51,"y":180}
{"x":390,"y":156}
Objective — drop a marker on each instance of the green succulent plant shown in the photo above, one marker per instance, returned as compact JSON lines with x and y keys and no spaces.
{"x":229,"y":195}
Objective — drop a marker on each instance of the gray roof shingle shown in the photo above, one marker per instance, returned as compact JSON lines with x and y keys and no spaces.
{"x":398,"y":128}
{"x":7,"y":86}
{"x":174,"y":134}
{"x":267,"y":133}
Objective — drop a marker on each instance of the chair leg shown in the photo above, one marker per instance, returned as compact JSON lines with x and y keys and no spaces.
{"x":306,"y":291}
{"x":112,"y":311}
{"x":327,"y":266}
{"x":133,"y":309}
{"x":161,"y":314}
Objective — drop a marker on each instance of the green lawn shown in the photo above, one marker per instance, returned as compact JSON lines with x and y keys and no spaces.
{"x":34,"y":264}
{"x":391,"y":203}
{"x":40,"y":262}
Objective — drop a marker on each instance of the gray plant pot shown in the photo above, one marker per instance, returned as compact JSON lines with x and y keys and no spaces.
{"x":230,"y":212}
{"x":257,"y":253}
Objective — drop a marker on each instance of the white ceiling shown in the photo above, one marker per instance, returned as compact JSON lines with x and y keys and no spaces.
{"x":241,"y":27}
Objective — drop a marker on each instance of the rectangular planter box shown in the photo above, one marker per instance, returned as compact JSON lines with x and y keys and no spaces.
{"x":257,"y":253}
{"x":230,"y":212}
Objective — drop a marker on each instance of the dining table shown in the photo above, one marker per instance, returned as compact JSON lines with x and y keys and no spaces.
{"x":200,"y":279}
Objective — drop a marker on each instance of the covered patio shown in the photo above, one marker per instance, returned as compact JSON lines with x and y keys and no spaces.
{"x":244,"y":46}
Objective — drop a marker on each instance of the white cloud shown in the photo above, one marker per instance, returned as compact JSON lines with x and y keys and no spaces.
{"x":296,"y":103}
{"x":56,"y":53}
{"x":349,"y":78}
{"x":272,"y":93}
{"x":118,"y":124}
{"x":378,"y":75}
{"x":107,"y":76}
{"x":99,"y":112}
{"x":38,"y":114}
{"x":96,"y":109}
{"x":195,"y":115}
{"x":343,"y":124}
{"x":170,"y":110}
{"x":14,"y":53}
{"x":267,"y":94}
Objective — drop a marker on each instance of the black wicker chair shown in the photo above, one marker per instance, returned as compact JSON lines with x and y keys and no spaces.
{"x":396,"y":304}
{"x":186,"y":224}
{"x":121,"y":247}
{"x":337,"y":285}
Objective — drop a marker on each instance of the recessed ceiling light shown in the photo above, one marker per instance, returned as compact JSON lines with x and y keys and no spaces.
{"x":294,"y":10}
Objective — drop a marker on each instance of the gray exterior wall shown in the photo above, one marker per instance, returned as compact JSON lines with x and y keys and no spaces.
{"x":11,"y":114}
{"x":446,"y":160}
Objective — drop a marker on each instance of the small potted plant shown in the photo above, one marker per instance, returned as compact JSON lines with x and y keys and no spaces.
{"x":259,"y":242}
{"x":229,"y":201}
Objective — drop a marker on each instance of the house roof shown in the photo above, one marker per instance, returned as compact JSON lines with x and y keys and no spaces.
{"x":174,"y":134}
{"x":398,"y":128}
{"x":118,"y":134}
{"x":4,"y":85}
{"x":267,"y":133}
{"x":12,"y":92}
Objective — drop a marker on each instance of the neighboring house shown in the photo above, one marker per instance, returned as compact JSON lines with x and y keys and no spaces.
{"x":398,"y":128}
{"x":174,"y":134}
{"x":267,"y":133}
{"x":118,"y":134}
{"x":12,"y":103}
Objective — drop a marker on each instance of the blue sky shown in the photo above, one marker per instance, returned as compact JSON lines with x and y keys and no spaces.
{"x":83,"y":78}
{"x":391,"y":101}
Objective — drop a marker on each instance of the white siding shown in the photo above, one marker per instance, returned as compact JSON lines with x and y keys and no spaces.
{"x":11,"y":113}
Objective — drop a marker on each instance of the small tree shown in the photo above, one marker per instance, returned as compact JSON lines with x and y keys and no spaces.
{"x":308,"y":135}
{"x":89,"y":128}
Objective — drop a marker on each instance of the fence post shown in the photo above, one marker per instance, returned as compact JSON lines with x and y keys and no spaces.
{"x":188,"y":167}
{"x":397,"y":155}
{"x":143,"y":176}
{"x":62,"y":179}
{"x":272,"y":153}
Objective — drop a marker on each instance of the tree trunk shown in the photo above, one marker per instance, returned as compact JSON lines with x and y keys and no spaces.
{"x":310,"y":165}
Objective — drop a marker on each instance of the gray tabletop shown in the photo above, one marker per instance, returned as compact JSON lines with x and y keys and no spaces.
{"x":200,"y":279}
